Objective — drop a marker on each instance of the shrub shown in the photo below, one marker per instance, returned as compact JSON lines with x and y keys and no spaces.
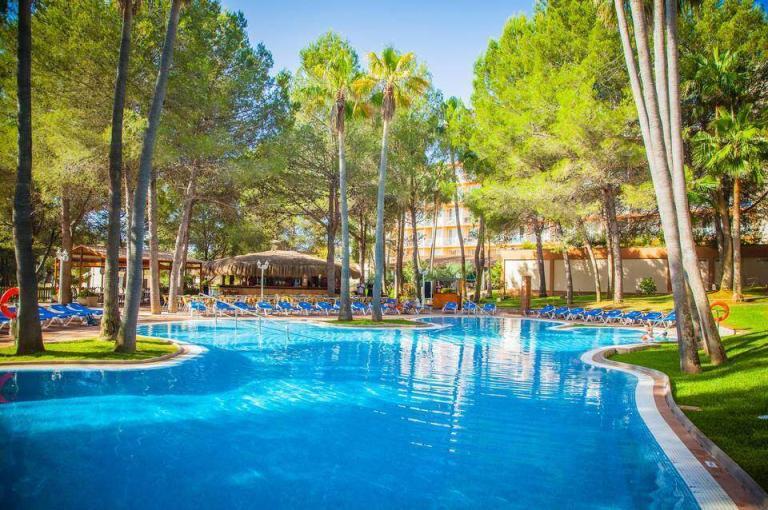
{"x":647,"y":286}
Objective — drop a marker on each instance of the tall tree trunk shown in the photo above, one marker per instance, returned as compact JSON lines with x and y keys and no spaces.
{"x":29,"y":337}
{"x":592,"y":261}
{"x":726,"y":273}
{"x":330,"y":238}
{"x":567,"y":266}
{"x":155,"y":305}
{"x":177,"y":267}
{"x":110,"y":321}
{"x":479,"y":258}
{"x":457,"y":212}
{"x":538,"y":227}
{"x":363,"y":245}
{"x":379,"y":250}
{"x":717,"y":225}
{"x":609,"y":253}
{"x":399,"y":255}
{"x":648,"y":113}
{"x":433,"y":246}
{"x":65,"y":282}
{"x":345,"y":312}
{"x":126,"y":337}
{"x":736,"y":242}
{"x":609,"y":197}
{"x":660,"y":73}
{"x":698,"y":292}
{"x":415,"y":243}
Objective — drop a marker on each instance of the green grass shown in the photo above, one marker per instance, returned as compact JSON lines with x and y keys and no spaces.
{"x":89,"y":349}
{"x":370,"y":323}
{"x":731,"y":396}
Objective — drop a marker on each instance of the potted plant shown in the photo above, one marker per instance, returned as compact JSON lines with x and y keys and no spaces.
{"x":87,"y":298}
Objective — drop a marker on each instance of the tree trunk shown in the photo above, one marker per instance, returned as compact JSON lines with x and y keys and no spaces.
{"x":29,"y":336}
{"x":155,"y":305}
{"x":567,"y":265}
{"x":363,"y":248}
{"x":330,"y":239}
{"x":479,"y":258}
{"x":345,"y":312}
{"x":592,"y":261}
{"x":415,"y":242}
{"x":177,"y":267}
{"x":708,"y":327}
{"x":379,"y":250}
{"x":110,"y":321}
{"x":538,"y":227}
{"x":609,"y":253}
{"x":126,"y":337}
{"x":609,"y":197}
{"x":434,"y":233}
{"x":736,"y":241}
{"x":399,"y":255}
{"x":648,"y":113}
{"x":65,"y":267}
{"x":726,"y":273}
{"x":457,"y":212}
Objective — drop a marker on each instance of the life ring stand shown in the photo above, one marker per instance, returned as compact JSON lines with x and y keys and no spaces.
{"x":7,"y":296}
{"x":720,"y":310}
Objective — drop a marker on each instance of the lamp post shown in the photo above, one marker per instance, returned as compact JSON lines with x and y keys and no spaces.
{"x":262,"y":266}
{"x":63,"y":257}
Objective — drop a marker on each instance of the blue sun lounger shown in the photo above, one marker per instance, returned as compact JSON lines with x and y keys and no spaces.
{"x":489,"y":309}
{"x":594,"y":314}
{"x":450,"y":307}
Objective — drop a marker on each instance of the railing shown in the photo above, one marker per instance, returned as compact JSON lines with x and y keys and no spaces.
{"x":44,"y":294}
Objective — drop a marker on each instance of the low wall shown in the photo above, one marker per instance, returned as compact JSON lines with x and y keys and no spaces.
{"x":638,"y":263}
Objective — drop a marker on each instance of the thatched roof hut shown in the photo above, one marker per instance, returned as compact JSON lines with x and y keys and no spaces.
{"x":282,"y":263}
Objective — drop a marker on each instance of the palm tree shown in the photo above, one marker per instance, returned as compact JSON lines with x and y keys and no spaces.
{"x":396,"y":81}
{"x":110,"y":323}
{"x":735,"y":148}
{"x":675,"y":159}
{"x":646,"y":101}
{"x":126,"y":337}
{"x":332,"y":81}
{"x":29,"y":337}
{"x":454,"y":111}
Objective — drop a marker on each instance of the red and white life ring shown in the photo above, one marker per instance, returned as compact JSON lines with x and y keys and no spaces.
{"x":720,"y":310}
{"x":7,"y":296}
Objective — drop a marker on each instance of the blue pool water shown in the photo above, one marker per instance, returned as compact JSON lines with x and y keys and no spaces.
{"x":484,"y":413}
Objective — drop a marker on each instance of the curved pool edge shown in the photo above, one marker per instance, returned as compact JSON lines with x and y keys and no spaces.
{"x":184,"y":352}
{"x":715,"y":480}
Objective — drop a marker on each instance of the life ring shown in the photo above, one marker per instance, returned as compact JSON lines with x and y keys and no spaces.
{"x":7,"y":296}
{"x":720,"y":310}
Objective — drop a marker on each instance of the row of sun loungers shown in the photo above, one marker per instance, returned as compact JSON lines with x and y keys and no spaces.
{"x":470,"y":308}
{"x":629,"y":318}
{"x":60,"y":315}
{"x":265,"y":308}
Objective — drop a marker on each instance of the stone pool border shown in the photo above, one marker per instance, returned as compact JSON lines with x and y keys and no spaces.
{"x":184,"y":352}
{"x":715,"y":480}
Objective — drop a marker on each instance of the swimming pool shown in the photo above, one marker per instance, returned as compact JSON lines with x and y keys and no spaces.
{"x":483,"y":412}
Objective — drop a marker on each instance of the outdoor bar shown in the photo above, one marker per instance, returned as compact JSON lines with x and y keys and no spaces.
{"x":283,"y":272}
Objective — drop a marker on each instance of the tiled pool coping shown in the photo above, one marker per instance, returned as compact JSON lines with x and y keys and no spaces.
{"x":715,"y":480}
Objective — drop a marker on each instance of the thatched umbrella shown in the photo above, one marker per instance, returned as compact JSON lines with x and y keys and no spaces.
{"x":282,"y":263}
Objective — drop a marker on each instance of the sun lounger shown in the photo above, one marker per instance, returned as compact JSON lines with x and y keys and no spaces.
{"x":574,"y":313}
{"x":469,"y":308}
{"x":265,"y":307}
{"x":488,"y":309}
{"x":594,"y":314}
{"x":82,"y":308}
{"x":632,"y":317}
{"x":450,"y":307}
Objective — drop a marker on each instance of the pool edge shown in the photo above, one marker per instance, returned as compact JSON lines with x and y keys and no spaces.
{"x":721,"y":484}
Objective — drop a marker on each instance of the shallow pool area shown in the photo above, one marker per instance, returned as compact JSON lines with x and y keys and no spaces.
{"x":481,"y":412}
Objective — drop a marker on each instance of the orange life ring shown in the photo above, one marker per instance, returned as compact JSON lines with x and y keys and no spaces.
{"x":722,"y":312}
{"x":7,"y":296}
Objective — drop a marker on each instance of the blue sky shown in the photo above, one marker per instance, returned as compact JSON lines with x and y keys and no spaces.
{"x":447,"y":35}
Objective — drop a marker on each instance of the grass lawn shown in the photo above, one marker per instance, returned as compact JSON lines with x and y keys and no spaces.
{"x":731,"y":396}
{"x":90,"y":349}
{"x":370,"y":323}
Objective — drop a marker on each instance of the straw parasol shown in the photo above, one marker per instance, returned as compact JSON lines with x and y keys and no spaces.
{"x":282,"y":263}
